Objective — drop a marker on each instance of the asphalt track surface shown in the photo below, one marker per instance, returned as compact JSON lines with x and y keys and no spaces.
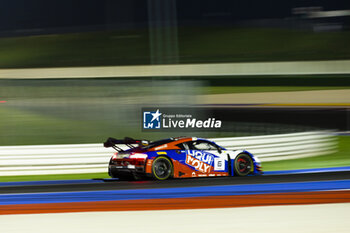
{"x":174,"y":183}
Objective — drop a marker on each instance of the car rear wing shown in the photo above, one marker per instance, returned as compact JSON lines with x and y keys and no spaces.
{"x":129,"y":142}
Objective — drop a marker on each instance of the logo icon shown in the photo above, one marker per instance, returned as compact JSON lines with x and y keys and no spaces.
{"x":151,"y":120}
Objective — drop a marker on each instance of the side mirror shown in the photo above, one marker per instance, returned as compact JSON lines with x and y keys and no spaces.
{"x":219,"y":150}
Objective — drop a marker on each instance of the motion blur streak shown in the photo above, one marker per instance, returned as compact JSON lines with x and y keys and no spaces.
{"x":271,"y":219}
{"x":183,"y":203}
{"x":249,"y":68}
{"x":167,"y":193}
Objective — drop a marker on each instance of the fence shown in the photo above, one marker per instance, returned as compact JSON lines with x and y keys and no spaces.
{"x":93,"y":158}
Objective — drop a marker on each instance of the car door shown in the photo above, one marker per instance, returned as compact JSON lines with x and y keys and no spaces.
{"x":207,"y":158}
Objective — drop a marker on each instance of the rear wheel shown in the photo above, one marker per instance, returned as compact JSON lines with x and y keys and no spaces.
{"x":243,"y":164}
{"x":162,"y":168}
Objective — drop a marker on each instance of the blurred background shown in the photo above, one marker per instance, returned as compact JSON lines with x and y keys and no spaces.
{"x":75,"y":72}
{"x":80,"y":71}
{"x":43,"y":34}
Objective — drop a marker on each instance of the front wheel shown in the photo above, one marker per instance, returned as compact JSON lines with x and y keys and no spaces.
{"x":162,"y":168}
{"x":243,"y":164}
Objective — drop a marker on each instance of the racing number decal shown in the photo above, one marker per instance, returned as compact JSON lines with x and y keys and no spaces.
{"x":219,"y":164}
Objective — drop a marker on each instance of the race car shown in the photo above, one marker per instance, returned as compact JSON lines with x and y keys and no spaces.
{"x":180,"y":157}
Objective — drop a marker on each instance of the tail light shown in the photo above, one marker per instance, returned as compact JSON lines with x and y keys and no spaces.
{"x":114,"y":157}
{"x":137,"y":156}
{"x":137,"y":159}
{"x":133,"y":159}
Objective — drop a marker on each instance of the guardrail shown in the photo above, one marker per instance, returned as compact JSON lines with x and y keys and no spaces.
{"x":93,"y":158}
{"x":283,"y":146}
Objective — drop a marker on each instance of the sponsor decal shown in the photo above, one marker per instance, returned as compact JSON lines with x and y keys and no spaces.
{"x":161,"y":147}
{"x":200,"y":161}
{"x":202,"y":156}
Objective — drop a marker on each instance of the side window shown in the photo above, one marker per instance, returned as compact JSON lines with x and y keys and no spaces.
{"x":183,"y":146}
{"x":203,"y":145}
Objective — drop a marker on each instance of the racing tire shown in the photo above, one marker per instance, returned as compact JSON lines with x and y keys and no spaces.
{"x":243,"y":165}
{"x":162,"y":168}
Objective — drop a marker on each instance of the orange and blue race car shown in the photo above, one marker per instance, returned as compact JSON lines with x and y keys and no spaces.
{"x":180,"y":157}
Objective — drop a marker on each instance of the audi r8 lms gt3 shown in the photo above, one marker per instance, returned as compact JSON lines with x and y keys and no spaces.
{"x":180,"y":157}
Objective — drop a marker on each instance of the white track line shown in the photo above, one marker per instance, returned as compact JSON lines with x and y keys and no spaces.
{"x":271,"y":219}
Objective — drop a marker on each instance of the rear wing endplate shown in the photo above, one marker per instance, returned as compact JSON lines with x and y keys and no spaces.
{"x":129,"y":142}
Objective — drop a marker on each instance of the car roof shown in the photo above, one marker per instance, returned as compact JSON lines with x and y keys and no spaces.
{"x":171,"y":143}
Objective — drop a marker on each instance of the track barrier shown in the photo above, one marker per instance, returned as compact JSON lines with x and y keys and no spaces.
{"x":94,"y":158}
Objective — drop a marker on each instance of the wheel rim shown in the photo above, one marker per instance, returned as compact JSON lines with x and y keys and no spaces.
{"x":243,"y":165}
{"x":162,"y":169}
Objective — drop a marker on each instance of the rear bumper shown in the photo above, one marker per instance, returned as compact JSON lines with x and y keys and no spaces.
{"x":124,"y":172}
{"x":122,"y":168}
